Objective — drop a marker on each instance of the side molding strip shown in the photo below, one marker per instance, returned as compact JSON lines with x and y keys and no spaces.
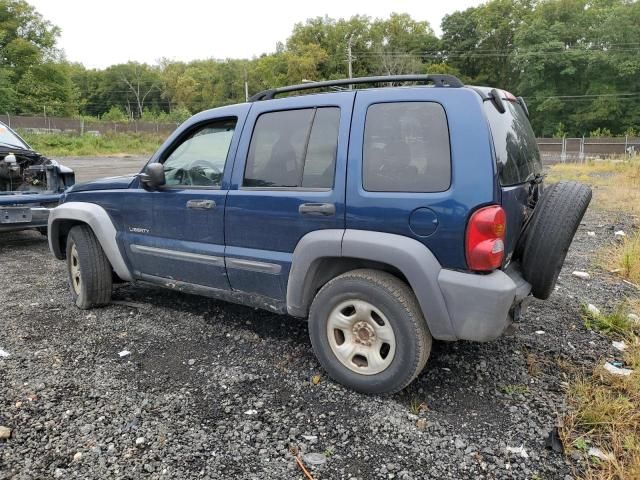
{"x":178,"y":255}
{"x":253,"y":266}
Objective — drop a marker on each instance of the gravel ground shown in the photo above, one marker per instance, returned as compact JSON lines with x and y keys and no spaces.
{"x":219,"y":391}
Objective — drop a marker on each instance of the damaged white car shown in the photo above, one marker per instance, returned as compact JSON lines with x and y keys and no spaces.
{"x":30,"y":184}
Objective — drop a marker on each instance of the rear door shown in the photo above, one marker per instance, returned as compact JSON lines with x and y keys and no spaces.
{"x":288,"y":180}
{"x":419,"y":162}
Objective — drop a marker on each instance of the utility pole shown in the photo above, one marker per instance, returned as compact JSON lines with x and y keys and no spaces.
{"x":246,"y":86}
{"x":350,"y":58}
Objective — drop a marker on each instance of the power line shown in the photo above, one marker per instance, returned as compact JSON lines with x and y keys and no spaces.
{"x":594,"y":95}
{"x":473,"y":53}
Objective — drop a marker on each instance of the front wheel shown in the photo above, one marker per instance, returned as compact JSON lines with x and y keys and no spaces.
{"x":368,"y":332}
{"x":90,"y":278}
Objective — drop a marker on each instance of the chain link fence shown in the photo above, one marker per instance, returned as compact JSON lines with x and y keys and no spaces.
{"x":80,"y":126}
{"x":555,"y":150}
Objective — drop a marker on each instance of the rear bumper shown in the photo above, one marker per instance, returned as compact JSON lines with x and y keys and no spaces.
{"x":39,"y":218}
{"x":480,"y":306}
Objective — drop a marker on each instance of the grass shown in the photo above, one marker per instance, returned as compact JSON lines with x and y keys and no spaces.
{"x":603,"y":408}
{"x":605,"y":414}
{"x":615,"y":183}
{"x":58,"y":144}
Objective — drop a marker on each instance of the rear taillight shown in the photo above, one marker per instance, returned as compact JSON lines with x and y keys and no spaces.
{"x":485,"y":239}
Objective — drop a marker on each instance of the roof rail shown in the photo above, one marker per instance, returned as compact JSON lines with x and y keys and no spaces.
{"x":438,"y":80}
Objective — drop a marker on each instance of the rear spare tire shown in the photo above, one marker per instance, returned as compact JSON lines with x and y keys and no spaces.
{"x":550,"y":233}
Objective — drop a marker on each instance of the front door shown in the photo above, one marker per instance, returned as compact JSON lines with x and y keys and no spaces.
{"x":185,"y":242}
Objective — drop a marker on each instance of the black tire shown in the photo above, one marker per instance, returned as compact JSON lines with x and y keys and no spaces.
{"x":92,"y":288}
{"x":553,"y":225}
{"x":396,"y":301}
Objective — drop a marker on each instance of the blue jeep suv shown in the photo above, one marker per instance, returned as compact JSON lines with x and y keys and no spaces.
{"x":385,"y":216}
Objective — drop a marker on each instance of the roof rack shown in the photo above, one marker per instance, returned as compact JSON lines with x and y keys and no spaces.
{"x":437,"y":80}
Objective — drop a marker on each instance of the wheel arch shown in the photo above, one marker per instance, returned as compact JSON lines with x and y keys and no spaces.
{"x":64,"y":217}
{"x":325,"y":254}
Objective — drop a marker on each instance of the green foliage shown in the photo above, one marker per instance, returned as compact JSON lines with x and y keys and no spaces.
{"x":561,"y":131}
{"x":600,"y":132}
{"x":576,"y":63}
{"x":114,"y":114}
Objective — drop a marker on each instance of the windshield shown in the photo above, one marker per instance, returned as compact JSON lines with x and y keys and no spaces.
{"x":517,"y":153}
{"x":7,"y":137}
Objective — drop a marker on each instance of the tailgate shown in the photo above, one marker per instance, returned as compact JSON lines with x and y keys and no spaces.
{"x":517,"y":163}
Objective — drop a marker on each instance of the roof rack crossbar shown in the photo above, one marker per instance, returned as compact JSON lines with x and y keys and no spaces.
{"x":437,"y":79}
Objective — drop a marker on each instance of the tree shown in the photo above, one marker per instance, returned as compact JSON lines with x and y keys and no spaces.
{"x":114,"y":114}
{"x":46,"y":86}
{"x":29,"y":73}
{"x":402,"y":44}
{"x":141,"y":80}
{"x":579,"y":62}
{"x":26,"y":38}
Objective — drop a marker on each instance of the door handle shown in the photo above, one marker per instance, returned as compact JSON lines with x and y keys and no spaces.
{"x":201,"y":204}
{"x":320,"y":209}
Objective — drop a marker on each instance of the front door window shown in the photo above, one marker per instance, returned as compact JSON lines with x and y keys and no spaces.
{"x":199,"y":160}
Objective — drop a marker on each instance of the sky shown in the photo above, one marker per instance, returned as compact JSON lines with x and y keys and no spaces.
{"x":99,"y":33}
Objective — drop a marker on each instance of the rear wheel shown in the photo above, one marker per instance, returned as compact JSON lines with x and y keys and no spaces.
{"x":368,"y":332}
{"x":554,"y":223}
{"x":88,"y":268}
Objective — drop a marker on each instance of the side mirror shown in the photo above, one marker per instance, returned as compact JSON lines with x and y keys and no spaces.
{"x":153,"y":175}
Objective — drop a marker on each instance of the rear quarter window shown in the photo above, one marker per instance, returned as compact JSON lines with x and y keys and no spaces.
{"x":406,"y":148}
{"x":517,"y":154}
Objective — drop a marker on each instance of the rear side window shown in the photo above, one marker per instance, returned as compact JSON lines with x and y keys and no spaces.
{"x":294,"y":148}
{"x":406,"y":148}
{"x":517,"y":153}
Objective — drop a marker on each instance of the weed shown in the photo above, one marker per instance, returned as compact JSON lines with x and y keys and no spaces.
{"x":581,"y":444}
{"x":416,"y":406}
{"x":515,"y":389}
{"x":564,"y":364}
{"x":533,"y":365}
{"x":625,"y":258}
{"x":615,"y":323}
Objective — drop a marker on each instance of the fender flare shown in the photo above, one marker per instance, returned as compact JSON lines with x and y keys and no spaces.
{"x":98,"y":219}
{"x":412,"y":258}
